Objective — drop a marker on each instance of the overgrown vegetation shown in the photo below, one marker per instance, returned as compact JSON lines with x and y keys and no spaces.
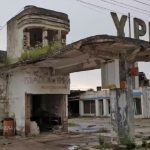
{"x":103,"y":143}
{"x":130,"y":143}
{"x":71,"y":124}
{"x":145,"y":144}
{"x":103,"y":130}
{"x":39,"y":51}
{"x":7,"y":61}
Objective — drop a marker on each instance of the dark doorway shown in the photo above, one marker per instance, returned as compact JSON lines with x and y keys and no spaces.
{"x":52,"y":35}
{"x":35,"y":37}
{"x":47,"y":111}
{"x":101,"y":109}
{"x":137,"y":106}
{"x":73,"y":108}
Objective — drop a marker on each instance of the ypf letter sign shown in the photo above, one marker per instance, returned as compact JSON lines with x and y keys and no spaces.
{"x":139,"y":25}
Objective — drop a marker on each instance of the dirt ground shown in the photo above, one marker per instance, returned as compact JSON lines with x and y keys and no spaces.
{"x":83,"y":132}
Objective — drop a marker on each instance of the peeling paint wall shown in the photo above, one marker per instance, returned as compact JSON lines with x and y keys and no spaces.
{"x":123,"y":124}
{"x":54,"y":104}
{"x":14,"y":41}
{"x":3,"y":99}
{"x":32,"y":81}
{"x":146,"y":102}
{"x":18,"y":35}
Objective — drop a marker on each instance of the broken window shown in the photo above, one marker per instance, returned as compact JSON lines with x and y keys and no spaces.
{"x":101,"y":111}
{"x":35,"y":37}
{"x":63,"y":37}
{"x":108,"y":102}
{"x":89,"y":107}
{"x":137,"y":106}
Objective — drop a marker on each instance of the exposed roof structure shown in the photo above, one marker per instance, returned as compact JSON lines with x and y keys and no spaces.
{"x":91,"y":53}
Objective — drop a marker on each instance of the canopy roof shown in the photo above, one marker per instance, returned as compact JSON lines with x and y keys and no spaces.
{"x":91,"y":53}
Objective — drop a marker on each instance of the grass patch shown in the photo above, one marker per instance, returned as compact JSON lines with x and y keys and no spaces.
{"x":71,"y":124}
{"x":7,"y":61}
{"x":129,"y":143}
{"x":103,"y":143}
{"x":39,"y":51}
{"x":103,"y":130}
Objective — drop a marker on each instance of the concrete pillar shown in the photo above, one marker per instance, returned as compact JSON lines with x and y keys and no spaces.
{"x":97,"y":107}
{"x":145,"y":103}
{"x":59,"y":35}
{"x":66,"y":105}
{"x":122,"y":105}
{"x":26,"y":40}
{"x":105,"y":107}
{"x":65,"y":118}
{"x":45,"y":35}
{"x":136,"y":79}
{"x":81,"y":108}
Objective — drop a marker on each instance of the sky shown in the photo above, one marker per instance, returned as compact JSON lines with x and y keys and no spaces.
{"x":85,"y":21}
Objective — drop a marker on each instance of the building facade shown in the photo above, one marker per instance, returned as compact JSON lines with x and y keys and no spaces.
{"x":31,"y":92}
{"x":98,"y":103}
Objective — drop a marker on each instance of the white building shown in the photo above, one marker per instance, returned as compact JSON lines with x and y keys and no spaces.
{"x":26,"y":88}
{"x":97,"y":103}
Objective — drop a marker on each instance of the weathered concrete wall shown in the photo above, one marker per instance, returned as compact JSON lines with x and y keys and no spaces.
{"x":32,"y":17}
{"x":55,"y":104}
{"x":3,"y":99}
{"x":146,"y":102}
{"x":122,"y":122}
{"x":14,"y":41}
{"x":96,"y":96}
{"x":32,"y":81}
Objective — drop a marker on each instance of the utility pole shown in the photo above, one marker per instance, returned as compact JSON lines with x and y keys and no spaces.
{"x":129,"y":17}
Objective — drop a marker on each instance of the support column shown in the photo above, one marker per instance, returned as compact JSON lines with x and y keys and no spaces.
{"x":122,"y":104}
{"x":97,"y":107}
{"x":45,"y":35}
{"x":65,"y":118}
{"x":59,"y":35}
{"x":105,"y":107}
{"x":136,"y":78}
{"x":26,"y":40}
{"x":81,"y":111}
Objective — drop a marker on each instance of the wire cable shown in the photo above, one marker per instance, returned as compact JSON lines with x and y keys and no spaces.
{"x":99,"y":7}
{"x":4,"y":25}
{"x":144,"y":3}
{"x":103,"y":8}
{"x":123,"y":5}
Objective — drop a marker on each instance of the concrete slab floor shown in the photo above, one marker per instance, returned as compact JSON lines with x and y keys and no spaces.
{"x":84,"y":132}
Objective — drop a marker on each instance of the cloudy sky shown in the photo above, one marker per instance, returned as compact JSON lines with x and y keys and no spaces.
{"x":85,"y":20}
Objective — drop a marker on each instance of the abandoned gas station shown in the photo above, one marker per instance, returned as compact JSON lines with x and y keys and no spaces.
{"x":40,"y":85}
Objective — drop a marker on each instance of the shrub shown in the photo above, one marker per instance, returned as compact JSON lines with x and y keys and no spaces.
{"x":39,"y":51}
{"x":144,"y":143}
{"x":7,"y":61}
{"x":130,"y":143}
{"x":103,"y":143}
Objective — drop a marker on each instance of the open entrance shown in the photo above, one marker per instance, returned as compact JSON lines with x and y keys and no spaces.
{"x":35,"y":37}
{"x":137,"y":106}
{"x":52,"y":35}
{"x":73,"y":103}
{"x":48,"y":111}
{"x":108,"y":106}
{"x":101,"y":111}
{"x":73,"y":108}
